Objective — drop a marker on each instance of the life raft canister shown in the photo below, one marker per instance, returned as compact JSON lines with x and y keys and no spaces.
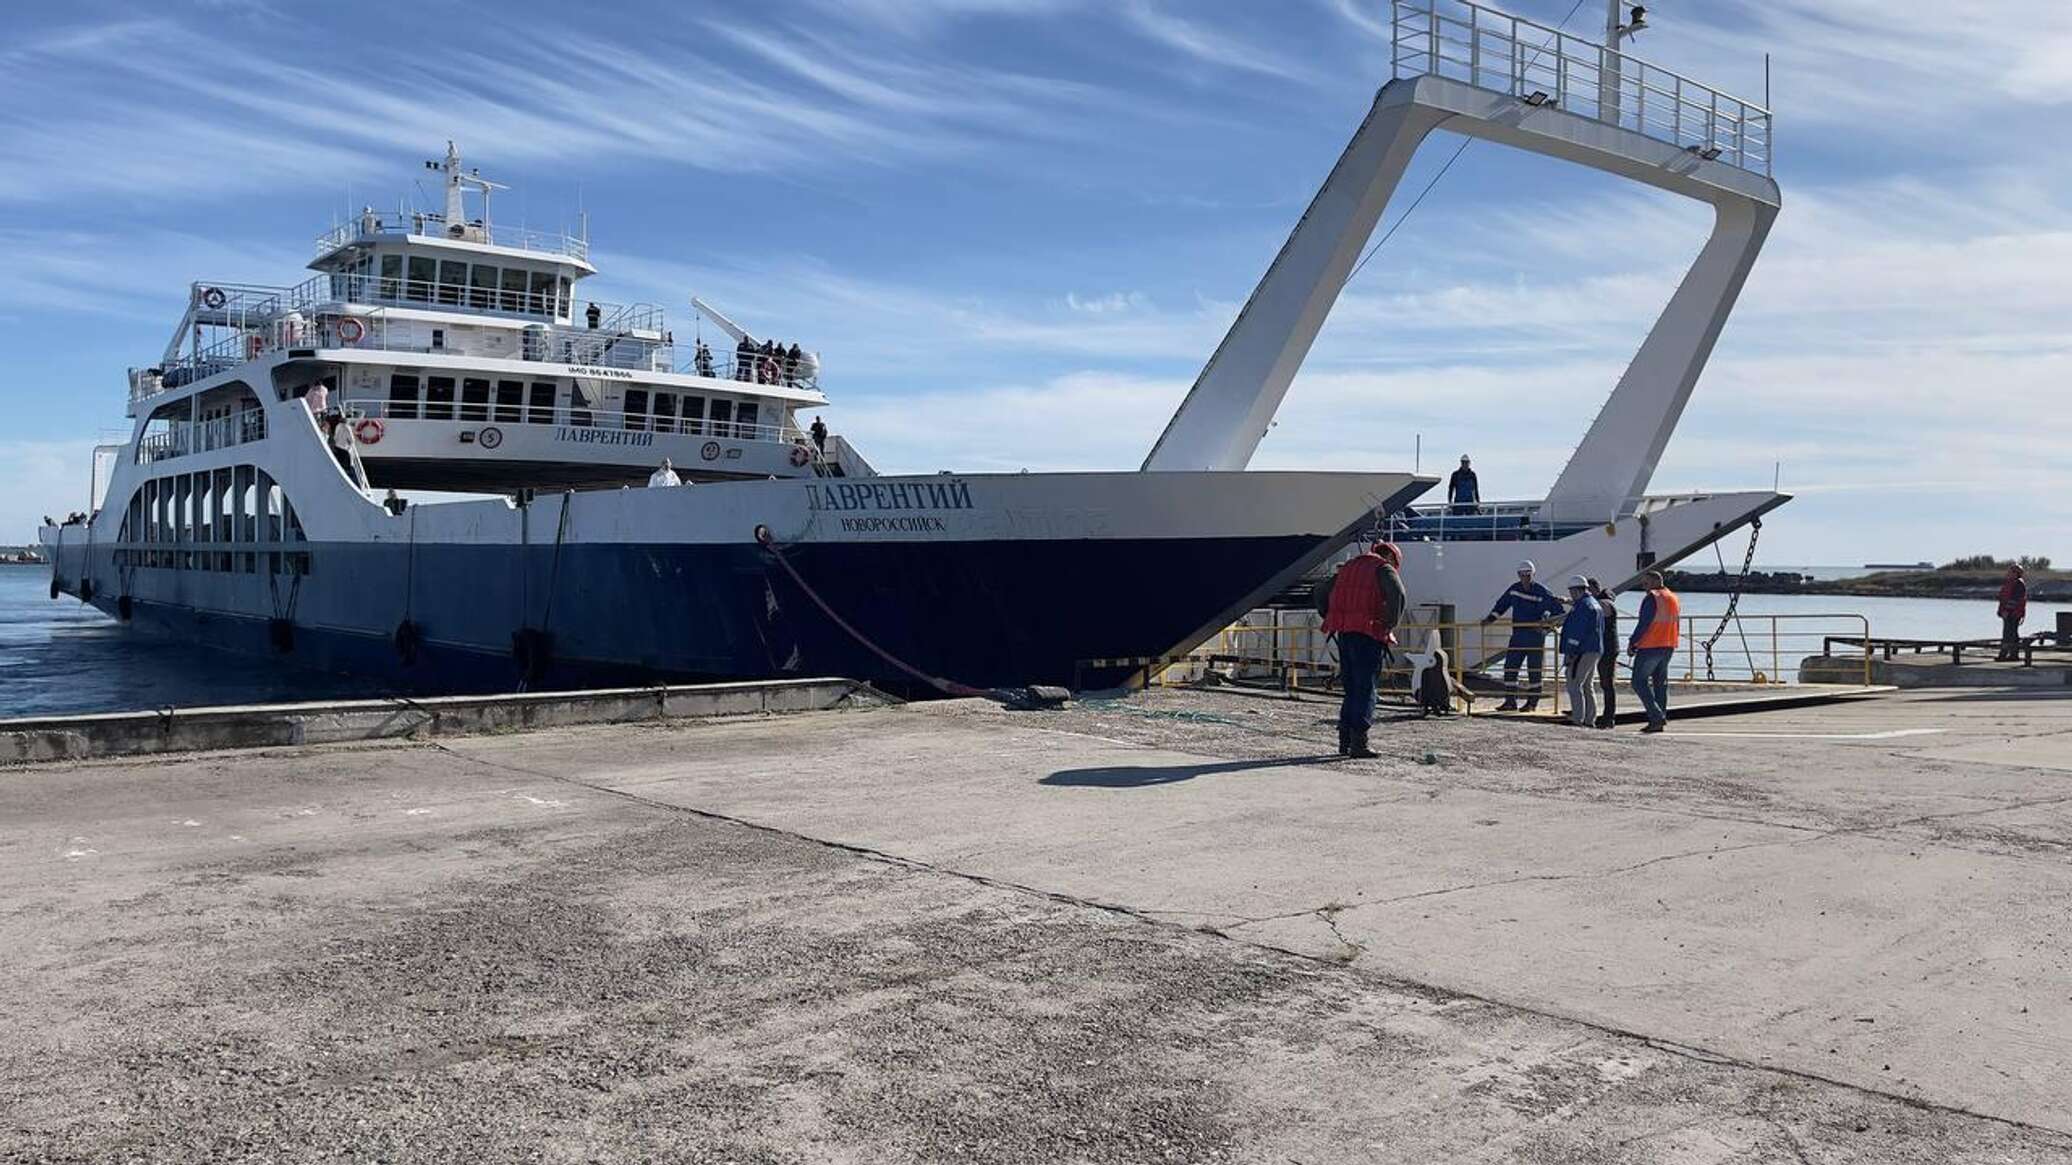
{"x":369,"y":430}
{"x":351,"y":331}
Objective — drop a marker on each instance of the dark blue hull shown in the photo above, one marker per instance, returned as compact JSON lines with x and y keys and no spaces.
{"x":490,"y":618}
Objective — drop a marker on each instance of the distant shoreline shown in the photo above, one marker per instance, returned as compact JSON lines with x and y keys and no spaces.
{"x":2047,"y":586}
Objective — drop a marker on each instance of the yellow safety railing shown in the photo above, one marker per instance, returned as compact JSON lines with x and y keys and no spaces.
{"x":1289,"y":647}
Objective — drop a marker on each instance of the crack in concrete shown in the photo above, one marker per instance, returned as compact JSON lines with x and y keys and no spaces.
{"x":1658,"y":1043}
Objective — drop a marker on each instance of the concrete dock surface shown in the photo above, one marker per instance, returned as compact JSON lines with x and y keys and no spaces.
{"x":1166,"y":928}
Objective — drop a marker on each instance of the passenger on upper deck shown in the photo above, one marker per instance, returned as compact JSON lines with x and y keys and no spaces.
{"x":701,"y":363}
{"x":593,"y":314}
{"x":819,"y":431}
{"x":318,"y":398}
{"x":744,"y":359}
{"x":1463,"y":491}
{"x":791,"y":364}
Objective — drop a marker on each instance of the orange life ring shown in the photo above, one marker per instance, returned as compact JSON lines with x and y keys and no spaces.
{"x":368,"y":430}
{"x":800,"y":455}
{"x":351,"y":330}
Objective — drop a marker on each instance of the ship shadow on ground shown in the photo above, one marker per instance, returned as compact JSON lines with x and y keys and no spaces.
{"x":1142,"y":776}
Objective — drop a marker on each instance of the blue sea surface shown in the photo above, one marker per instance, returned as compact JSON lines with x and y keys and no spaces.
{"x":60,"y":656}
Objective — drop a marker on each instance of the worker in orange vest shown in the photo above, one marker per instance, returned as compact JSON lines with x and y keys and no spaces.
{"x":1653,"y":645}
{"x":1367,"y":601}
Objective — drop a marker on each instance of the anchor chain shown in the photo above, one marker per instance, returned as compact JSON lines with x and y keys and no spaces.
{"x":1755,"y":534}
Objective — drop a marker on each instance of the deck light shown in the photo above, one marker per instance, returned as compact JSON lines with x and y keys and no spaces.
{"x":1537,"y":98}
{"x":1709,"y":153}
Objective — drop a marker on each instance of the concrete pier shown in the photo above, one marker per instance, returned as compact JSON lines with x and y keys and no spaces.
{"x":1165,"y":928}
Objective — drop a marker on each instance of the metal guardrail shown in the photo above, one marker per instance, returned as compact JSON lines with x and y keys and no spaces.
{"x":311,"y":315}
{"x":185,"y":437}
{"x":1286,"y":648}
{"x":1890,"y":648}
{"x":507,"y":413}
{"x":1444,"y":522}
{"x":373,"y":224}
{"x":1491,"y":49}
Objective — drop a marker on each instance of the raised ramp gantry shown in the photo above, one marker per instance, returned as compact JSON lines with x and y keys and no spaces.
{"x":1476,"y":71}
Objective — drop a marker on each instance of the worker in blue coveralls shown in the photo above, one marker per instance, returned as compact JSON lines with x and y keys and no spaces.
{"x":1529,"y":605}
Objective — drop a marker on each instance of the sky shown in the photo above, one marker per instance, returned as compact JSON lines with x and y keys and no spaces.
{"x":1015,"y":229}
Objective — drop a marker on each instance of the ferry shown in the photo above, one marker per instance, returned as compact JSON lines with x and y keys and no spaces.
{"x":256,"y":504}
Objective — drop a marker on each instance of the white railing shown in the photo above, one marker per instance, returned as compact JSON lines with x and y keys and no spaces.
{"x":1509,"y":520}
{"x":374,"y":224}
{"x":184,"y":437}
{"x":509,"y":413}
{"x":1491,"y":49}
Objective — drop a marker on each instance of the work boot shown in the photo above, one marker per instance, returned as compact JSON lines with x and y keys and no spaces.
{"x":1359,"y":749}
{"x":1508,"y":706}
{"x":1345,"y":741}
{"x":1531,"y":706}
{"x":1656,"y":726}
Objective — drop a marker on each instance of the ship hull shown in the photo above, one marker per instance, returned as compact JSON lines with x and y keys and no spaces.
{"x":1070,"y":579}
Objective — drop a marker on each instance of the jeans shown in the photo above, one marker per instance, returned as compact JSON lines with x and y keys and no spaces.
{"x":1582,"y":693}
{"x":1651,"y":681}
{"x":2010,"y":637}
{"x":1529,"y":659}
{"x":1608,"y":679}
{"x":1359,"y":664}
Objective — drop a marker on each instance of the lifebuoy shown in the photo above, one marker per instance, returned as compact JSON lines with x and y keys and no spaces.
{"x":368,"y":430}
{"x":351,"y":330}
{"x":800,"y":455}
{"x":213,"y":298}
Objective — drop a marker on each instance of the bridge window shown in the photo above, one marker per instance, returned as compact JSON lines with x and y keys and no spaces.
{"x":542,"y":293}
{"x":510,"y":394}
{"x":722,"y":416}
{"x":744,"y":420}
{"x":391,"y":276}
{"x":403,"y":397}
{"x":482,"y":287}
{"x":422,"y":275}
{"x":453,"y":279}
{"x":541,"y":410}
{"x":635,"y":412}
{"x":514,"y":289}
{"x":561,"y":309}
{"x":474,"y":399}
{"x":665,"y":413}
{"x":438,"y":398}
{"x":694,"y":415}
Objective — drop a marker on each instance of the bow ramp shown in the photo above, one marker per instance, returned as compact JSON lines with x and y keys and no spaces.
{"x":1473,"y":70}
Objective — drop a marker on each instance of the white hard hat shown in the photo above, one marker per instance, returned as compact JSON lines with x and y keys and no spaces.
{"x":1527,"y":567}
{"x":1578,"y":582}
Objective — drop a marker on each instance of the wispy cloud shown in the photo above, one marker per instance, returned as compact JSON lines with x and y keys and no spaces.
{"x":1205,"y":44}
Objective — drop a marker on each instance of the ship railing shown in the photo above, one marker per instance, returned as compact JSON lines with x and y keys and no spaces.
{"x":180,"y":438}
{"x":561,"y":414}
{"x":374,"y":224}
{"x":1288,"y":649}
{"x":1541,"y":65}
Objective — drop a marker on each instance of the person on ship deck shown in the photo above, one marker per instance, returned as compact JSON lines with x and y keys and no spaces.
{"x":1463,"y":491}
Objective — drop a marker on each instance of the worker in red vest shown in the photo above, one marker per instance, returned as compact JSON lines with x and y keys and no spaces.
{"x":1655,"y":633}
{"x":1367,"y":601}
{"x":2014,"y":607}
